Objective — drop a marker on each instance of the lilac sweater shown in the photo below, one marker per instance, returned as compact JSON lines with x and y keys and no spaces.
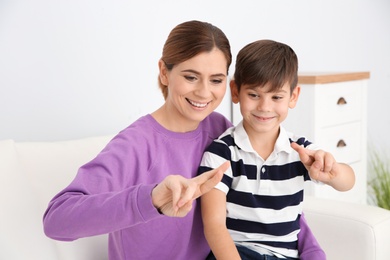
{"x":112,"y":193}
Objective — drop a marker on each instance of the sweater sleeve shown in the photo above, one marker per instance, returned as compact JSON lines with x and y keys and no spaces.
{"x":308,"y":246}
{"x":105,"y":196}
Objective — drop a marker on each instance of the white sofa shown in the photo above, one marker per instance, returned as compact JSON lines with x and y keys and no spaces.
{"x":31,"y":173}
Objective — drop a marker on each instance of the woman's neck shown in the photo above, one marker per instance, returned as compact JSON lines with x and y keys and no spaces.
{"x":173,"y":121}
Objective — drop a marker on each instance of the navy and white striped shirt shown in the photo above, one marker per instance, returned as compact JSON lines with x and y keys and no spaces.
{"x":263,"y":197}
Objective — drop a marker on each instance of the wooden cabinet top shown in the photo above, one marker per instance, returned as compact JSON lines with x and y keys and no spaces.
{"x":329,"y":77}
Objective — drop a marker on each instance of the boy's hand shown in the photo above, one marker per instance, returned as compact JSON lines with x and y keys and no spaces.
{"x":175,"y":194}
{"x":320,"y":164}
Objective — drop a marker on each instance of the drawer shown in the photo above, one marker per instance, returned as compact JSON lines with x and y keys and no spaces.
{"x":338,"y":103}
{"x":343,"y":141}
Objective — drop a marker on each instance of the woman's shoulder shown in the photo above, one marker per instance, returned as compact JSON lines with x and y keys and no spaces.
{"x":216,"y":119}
{"x":215,"y":124}
{"x":218,"y":115}
{"x":140,"y":129}
{"x":141,"y":122}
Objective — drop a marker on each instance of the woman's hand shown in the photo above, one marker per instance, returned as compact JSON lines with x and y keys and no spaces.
{"x":175,"y":194}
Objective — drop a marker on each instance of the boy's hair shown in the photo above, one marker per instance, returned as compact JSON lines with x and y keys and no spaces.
{"x":189,"y":39}
{"x":266,"y":62}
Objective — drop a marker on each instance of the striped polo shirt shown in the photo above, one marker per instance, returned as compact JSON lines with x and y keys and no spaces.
{"x":264,"y":197}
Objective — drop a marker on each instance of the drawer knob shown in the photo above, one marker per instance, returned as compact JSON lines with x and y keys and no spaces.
{"x":341,"y":143}
{"x":341,"y":101}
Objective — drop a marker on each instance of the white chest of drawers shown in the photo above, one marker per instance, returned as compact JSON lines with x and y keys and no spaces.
{"x":332,"y":113}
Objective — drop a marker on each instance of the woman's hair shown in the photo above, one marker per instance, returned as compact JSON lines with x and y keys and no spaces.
{"x":189,"y":39}
{"x":266,"y":62}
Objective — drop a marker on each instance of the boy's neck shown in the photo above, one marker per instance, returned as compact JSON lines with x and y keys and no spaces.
{"x":263,"y":142}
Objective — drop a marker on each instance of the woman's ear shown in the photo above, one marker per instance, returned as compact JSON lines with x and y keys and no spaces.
{"x":163,"y":72}
{"x":294,"y":96}
{"x":234,"y":91}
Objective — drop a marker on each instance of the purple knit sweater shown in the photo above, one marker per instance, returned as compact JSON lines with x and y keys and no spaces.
{"x":112,"y":193}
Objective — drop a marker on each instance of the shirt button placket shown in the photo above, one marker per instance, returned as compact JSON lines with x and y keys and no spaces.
{"x":263,"y":170}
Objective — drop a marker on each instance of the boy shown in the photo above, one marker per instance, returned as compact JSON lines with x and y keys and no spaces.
{"x":255,"y":210}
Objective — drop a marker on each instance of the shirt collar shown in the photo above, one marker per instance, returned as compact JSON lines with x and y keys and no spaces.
{"x":283,"y":142}
{"x":241,"y":138}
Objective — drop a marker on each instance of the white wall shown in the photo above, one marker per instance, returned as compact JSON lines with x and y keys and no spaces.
{"x":76,"y":68}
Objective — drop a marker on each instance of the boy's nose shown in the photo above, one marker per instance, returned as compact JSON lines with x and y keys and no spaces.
{"x":263,"y":105}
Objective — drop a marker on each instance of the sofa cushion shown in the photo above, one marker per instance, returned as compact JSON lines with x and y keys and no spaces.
{"x":50,"y":167}
{"x":335,"y":222}
{"x":21,"y":232}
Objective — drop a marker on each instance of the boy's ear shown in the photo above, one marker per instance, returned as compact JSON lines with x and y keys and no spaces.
{"x":294,"y":97}
{"x":163,"y":72}
{"x":234,"y":91}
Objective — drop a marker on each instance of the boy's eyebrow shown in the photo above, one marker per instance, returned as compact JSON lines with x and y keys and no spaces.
{"x":198,"y":73}
{"x":254,"y":87}
{"x":278,"y":90}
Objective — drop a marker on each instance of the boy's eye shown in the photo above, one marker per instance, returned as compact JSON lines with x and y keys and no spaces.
{"x":277,"y":97}
{"x":253,"y":95}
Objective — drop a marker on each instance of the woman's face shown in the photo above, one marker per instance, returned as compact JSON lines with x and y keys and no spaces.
{"x":195,"y":88}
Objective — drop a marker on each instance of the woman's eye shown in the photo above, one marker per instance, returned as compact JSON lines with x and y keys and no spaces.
{"x":216,"y":81}
{"x":190,"y":78}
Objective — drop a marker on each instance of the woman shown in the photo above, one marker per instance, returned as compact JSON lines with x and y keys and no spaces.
{"x":125,"y":190}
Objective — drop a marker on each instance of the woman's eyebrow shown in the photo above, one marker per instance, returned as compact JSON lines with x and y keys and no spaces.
{"x":198,"y":73}
{"x":191,"y":71}
{"x":219,"y":75}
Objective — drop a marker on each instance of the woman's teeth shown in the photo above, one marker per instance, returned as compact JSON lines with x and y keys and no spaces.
{"x":200,"y":105}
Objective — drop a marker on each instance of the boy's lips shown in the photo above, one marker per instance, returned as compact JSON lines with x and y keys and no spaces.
{"x":264,"y":118}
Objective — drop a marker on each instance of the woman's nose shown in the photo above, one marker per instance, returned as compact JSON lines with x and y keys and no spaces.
{"x":203,"y":89}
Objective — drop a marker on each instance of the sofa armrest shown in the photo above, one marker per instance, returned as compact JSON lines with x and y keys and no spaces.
{"x":348,"y":230}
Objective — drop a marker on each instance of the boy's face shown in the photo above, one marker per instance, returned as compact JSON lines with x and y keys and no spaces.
{"x":263,"y":111}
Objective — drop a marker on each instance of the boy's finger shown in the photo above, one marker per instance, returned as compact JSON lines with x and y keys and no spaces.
{"x":295,"y":146}
{"x":306,"y":155}
{"x":300,"y":150}
{"x":315,"y":173}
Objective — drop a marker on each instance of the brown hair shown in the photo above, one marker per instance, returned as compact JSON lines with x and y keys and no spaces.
{"x":266,"y":62}
{"x":189,"y":39}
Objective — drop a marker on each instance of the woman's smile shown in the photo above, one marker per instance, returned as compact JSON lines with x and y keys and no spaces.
{"x":198,"y":104}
